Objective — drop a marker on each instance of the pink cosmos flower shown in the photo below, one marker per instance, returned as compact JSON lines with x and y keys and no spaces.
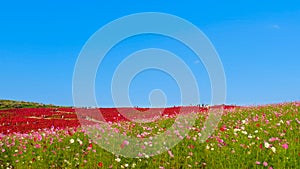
{"x":265,"y":164}
{"x":90,"y":146}
{"x":285,"y":146}
{"x":298,"y":121}
{"x":40,"y":137}
{"x":255,"y":118}
{"x":257,"y":162}
{"x":37,"y":146}
{"x":170,"y":153}
{"x":220,"y":141}
{"x":126,"y":142}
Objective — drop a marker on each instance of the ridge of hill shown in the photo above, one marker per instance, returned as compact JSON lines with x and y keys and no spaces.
{"x":9,"y":104}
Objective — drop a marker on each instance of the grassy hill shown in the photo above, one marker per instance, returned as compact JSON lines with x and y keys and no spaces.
{"x":9,"y":104}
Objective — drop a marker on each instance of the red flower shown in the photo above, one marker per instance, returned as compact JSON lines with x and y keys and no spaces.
{"x":122,"y":146}
{"x":100,"y":164}
{"x":257,"y":125}
{"x":223,"y":128}
{"x":90,"y":146}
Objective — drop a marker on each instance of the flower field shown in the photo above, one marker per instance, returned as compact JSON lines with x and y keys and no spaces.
{"x":246,"y":137}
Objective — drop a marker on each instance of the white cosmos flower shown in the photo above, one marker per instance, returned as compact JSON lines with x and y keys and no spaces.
{"x":267,"y":145}
{"x":118,"y":160}
{"x":133,"y":165}
{"x":79,"y":141}
{"x":273,"y":149}
{"x":71,"y":141}
{"x":236,"y":130}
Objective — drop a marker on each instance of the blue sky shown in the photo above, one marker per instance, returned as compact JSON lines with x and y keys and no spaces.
{"x":258,"y":43}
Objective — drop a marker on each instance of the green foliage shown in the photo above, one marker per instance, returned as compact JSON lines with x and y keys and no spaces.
{"x":9,"y":104}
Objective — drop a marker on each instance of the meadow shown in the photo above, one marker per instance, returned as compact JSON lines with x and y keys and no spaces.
{"x":246,"y":137}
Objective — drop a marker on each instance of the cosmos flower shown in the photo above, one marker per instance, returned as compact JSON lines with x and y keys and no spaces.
{"x":118,"y":160}
{"x":285,"y":146}
{"x":37,"y":146}
{"x":133,"y":165}
{"x":244,"y":132}
{"x":100,"y":164}
{"x":79,"y":141}
{"x":273,"y":149}
{"x":267,"y":145}
{"x":170,"y":153}
{"x":90,"y":146}
{"x":223,"y":128}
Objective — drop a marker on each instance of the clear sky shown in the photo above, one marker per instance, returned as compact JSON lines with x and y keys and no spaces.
{"x":257,"y":41}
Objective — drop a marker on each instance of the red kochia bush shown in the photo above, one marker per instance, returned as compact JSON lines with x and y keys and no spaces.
{"x":27,"y":119}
